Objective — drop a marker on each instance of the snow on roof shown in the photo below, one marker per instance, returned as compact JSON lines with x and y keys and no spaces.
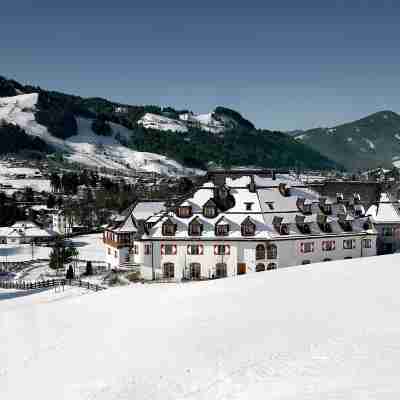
{"x":227,"y":338}
{"x":145,"y":209}
{"x":385,"y":212}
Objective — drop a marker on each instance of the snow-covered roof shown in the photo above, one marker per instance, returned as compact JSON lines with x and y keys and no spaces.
{"x":261,"y":206}
{"x":386,"y":211}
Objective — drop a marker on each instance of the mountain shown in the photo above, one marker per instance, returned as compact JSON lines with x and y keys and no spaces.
{"x":366,"y":143}
{"x":98,"y":132}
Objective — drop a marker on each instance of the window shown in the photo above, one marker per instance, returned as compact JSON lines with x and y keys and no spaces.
{"x":271,"y":266}
{"x":147,"y":249}
{"x":305,"y":262}
{"x":210,"y":209}
{"x":195,"y":271}
{"x":349,"y":244}
{"x":220,"y":270}
{"x":328,"y":245}
{"x":195,"y":249}
{"x":260,"y":252}
{"x":272,"y":252}
{"x":304,"y":228}
{"x":108,"y":250}
{"x":168,"y":271}
{"x":184,"y":211}
{"x":168,"y":249}
{"x":135,"y":249}
{"x":248,"y":227}
{"x":307,"y":247}
{"x":115,"y":254}
{"x":195,"y":228}
{"x":209,"y":212}
{"x":222,"y":230}
{"x":387,"y":231}
{"x":260,"y":267}
{"x":221,"y":249}
{"x":168,"y":228}
{"x":367,"y":243}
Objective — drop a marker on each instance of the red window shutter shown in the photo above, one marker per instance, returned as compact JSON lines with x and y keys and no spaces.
{"x":227,"y":249}
{"x":334,"y":245}
{"x":215,"y":249}
{"x":201,"y":250}
{"x":174,"y":249}
{"x":162,"y":249}
{"x":189,"y":249}
{"x":301,"y":247}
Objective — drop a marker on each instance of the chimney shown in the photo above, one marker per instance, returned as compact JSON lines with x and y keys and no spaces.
{"x":252,"y":184}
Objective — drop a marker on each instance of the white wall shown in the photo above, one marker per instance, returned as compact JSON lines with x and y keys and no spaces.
{"x":289,"y":254}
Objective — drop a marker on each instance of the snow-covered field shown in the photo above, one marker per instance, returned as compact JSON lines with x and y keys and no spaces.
{"x":7,"y":172}
{"x":323,"y":331}
{"x":86,"y":147}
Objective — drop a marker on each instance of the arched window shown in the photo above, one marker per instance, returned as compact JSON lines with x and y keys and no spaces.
{"x":195,"y":271}
{"x":168,"y":270}
{"x":260,"y":252}
{"x":272,"y":252}
{"x":220,"y":270}
{"x":260,"y":267}
{"x":271,"y":266}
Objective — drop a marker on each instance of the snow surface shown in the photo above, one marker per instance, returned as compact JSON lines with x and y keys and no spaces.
{"x":86,"y":147}
{"x":154,"y":121}
{"x":325,"y":331}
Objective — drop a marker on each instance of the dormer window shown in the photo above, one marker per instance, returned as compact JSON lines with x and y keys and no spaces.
{"x":303,"y":205}
{"x":281,"y":228}
{"x":248,"y":227}
{"x":344,"y":223}
{"x":184,"y":211}
{"x":284,"y":189}
{"x":195,"y":227}
{"x":210,"y":209}
{"x":222,"y":227}
{"x":169,"y":228}
{"x":302,"y":226}
{"x":248,"y":205}
{"x":323,"y":223}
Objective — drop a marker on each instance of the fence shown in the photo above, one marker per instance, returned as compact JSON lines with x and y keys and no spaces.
{"x":49,"y":283}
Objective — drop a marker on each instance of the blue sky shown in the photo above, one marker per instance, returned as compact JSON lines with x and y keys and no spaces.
{"x":283,"y":64}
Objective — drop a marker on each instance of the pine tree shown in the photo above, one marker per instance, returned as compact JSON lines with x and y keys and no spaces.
{"x":89,"y":268}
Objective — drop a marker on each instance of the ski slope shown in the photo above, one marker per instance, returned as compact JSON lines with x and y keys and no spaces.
{"x":86,"y":147}
{"x":322,"y":331}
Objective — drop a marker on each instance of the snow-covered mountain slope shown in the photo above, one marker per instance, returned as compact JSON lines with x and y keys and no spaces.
{"x":323,"y":331}
{"x":207,"y":122}
{"x":86,"y":147}
{"x":158,"y":122}
{"x":211,"y":122}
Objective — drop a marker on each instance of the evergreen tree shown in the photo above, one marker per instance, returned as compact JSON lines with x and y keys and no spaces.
{"x":70,"y":273}
{"x":89,"y":269}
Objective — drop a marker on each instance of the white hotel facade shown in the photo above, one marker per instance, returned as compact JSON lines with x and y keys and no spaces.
{"x":251,"y":223}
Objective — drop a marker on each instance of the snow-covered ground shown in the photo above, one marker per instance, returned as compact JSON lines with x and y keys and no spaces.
{"x":7,"y":172}
{"x":154,"y":121}
{"x":323,"y":331}
{"x":86,"y":147}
